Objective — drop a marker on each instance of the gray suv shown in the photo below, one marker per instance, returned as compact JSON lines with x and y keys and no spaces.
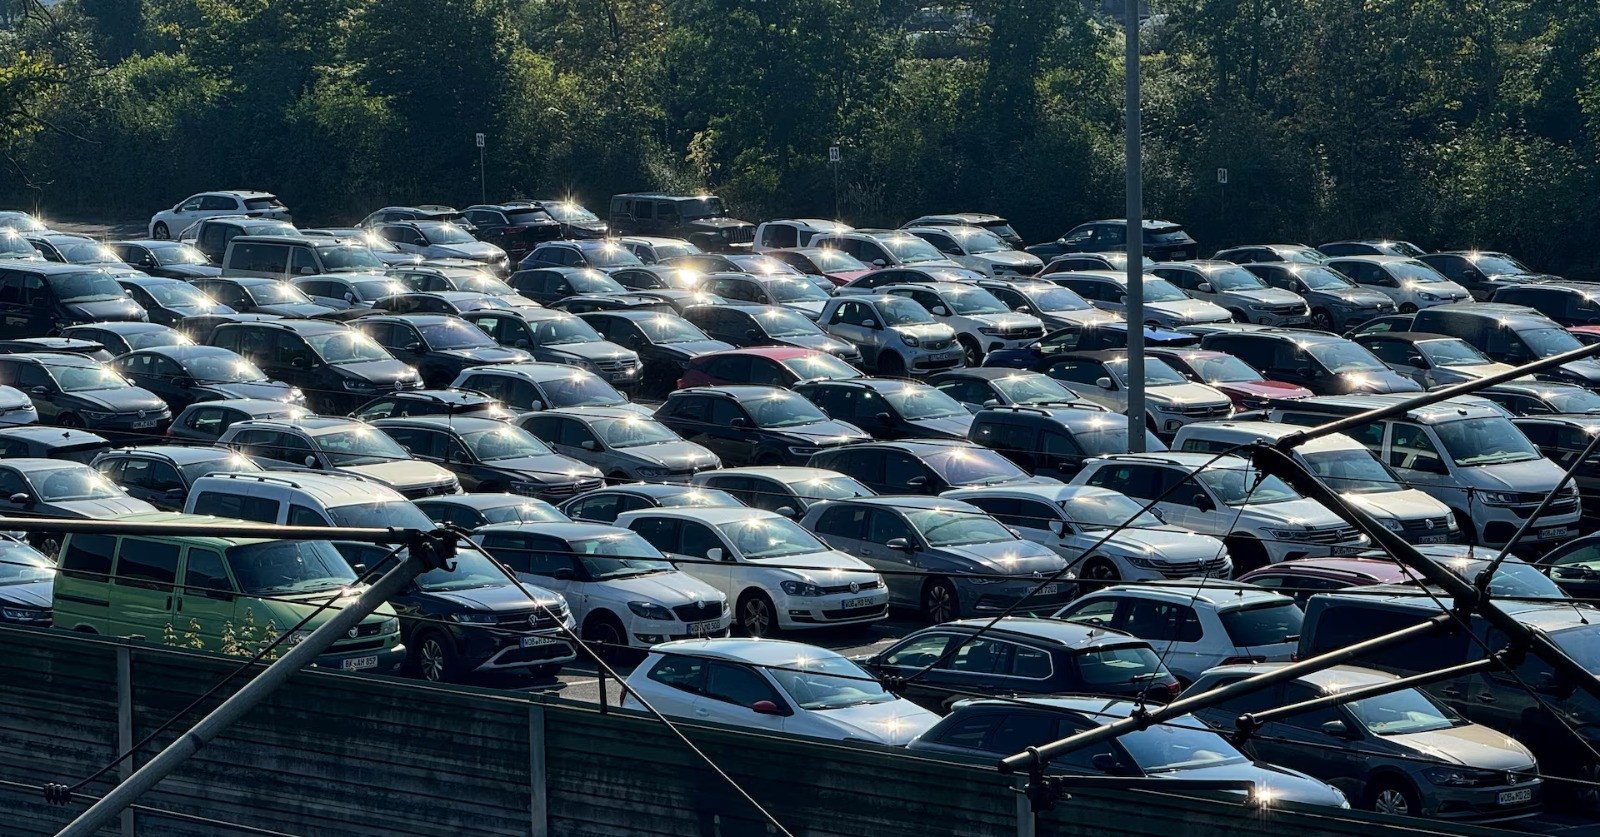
{"x":1337,"y":304}
{"x":621,"y":444}
{"x":1240,"y":292}
{"x":895,"y":335}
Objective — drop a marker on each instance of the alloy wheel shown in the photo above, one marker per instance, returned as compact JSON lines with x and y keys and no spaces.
{"x":431,"y":660}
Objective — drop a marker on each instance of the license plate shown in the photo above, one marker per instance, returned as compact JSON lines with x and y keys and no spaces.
{"x":536,"y":641}
{"x":703,"y":628}
{"x":1512,"y":797}
{"x":857,"y":604}
{"x":1433,"y":539}
{"x":1347,"y":550}
{"x":140,"y":425}
{"x":1552,"y":532}
{"x":1049,"y":590}
{"x":358,"y":663}
{"x":947,"y":355}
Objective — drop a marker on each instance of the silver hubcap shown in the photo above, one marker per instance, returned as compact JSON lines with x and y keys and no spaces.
{"x":940,"y":604}
{"x":757,"y":618}
{"x":1391,"y":801}
{"x":432,"y":660}
{"x":161,"y":231}
{"x":1321,"y":321}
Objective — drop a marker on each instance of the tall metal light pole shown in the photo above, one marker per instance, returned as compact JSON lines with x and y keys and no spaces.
{"x":1135,"y":303}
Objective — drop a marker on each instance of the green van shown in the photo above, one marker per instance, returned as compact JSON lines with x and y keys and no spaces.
{"x":215,"y":594}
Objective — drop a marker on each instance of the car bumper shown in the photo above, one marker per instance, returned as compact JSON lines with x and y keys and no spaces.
{"x":530,"y":650}
{"x":821,"y":611}
{"x":935,"y":361}
{"x":1523,"y":799}
{"x":643,"y":633}
{"x":1004,"y":595}
{"x":372,"y":661}
{"x":1269,"y":318}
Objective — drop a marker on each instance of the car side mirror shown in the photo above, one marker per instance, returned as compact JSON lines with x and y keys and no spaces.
{"x":535,"y":405}
{"x":715,"y":553}
{"x":1337,"y":729}
{"x":752,"y":335}
{"x":739,"y":422}
{"x":563,"y":574}
{"x":1554,"y":685}
{"x":177,"y":493}
{"x":1417,"y":360}
{"x":869,"y":323}
{"x":917,"y":482}
{"x":901,"y":545}
{"x":879,"y":263}
{"x":939,"y":311}
{"x":358,"y":569}
{"x":349,"y":297}
{"x":1106,"y":763}
{"x":1063,"y":527}
{"x":1104,"y":383}
{"x":416,"y":348}
{"x":766,"y":707}
{"x":39,"y":390}
{"x":307,"y":270}
{"x":311,"y":461}
{"x":1203,"y":503}
{"x":183,"y":381}
{"x":299,"y":362}
{"x":1205,"y":288}
{"x":883,"y":418}
{"x":589,"y":444}
{"x":21,"y":498}
{"x":786,"y":511}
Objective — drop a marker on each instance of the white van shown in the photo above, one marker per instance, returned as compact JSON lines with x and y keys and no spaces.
{"x":304,"y":500}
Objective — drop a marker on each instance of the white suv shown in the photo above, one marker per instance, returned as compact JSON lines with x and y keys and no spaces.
{"x":981,"y":322}
{"x":794,"y":232}
{"x":779,"y":576}
{"x":169,"y":222}
{"x":1260,"y":520}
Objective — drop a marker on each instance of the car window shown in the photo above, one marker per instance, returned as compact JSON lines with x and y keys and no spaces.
{"x":979,"y":656}
{"x":697,"y":540}
{"x":884,"y":526}
{"x":1021,"y":730}
{"x":736,"y":684}
{"x":685,"y":673}
{"x":151,"y":564}
{"x":920,"y":652}
{"x":969,"y":731}
{"x":1161,"y":622}
{"x":1411,"y":448}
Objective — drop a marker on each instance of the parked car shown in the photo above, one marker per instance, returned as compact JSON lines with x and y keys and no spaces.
{"x":427,"y":212}
{"x":622,"y":593}
{"x":1575,"y":566}
{"x":1198,"y":623}
{"x":1322,"y":363}
{"x":535,"y":386}
{"x":452,"y":275}
{"x":56,"y":345}
{"x":166,"y":223}
{"x":26,"y":580}
{"x":1511,"y":334}
{"x":1411,"y":284}
{"x":489,"y":456}
{"x":1272,"y":253}
{"x":455,"y":303}
{"x":337,"y":367}
{"x":1164,"y":304}
{"x":576,"y":221}
{"x":168,"y":302}
{"x":653,"y":249}
{"x":754,"y":425}
{"x":794,"y":292}
{"x":1022,"y":656}
{"x":793,"y":232}
{"x":1482,"y":272}
{"x":774,"y":686}
{"x":919,"y":274}
{"x":1568,"y":303}
{"x":443,"y":239}
{"x":1219,"y":370}
{"x":1336,"y":303}
{"x":655,"y":277}
{"x":18,"y":221}
{"x":993,"y":224}
{"x":1302,"y":578}
{"x":894,"y":335}
{"x":183,"y":375}
{"x":472,"y":511}
{"x":433,"y":402}
{"x":16,"y":248}
{"x":601,"y":255}
{"x":922,"y":466}
{"x":767,"y":325}
{"x":603,"y":505}
{"x":1432,"y":360}
{"x":783,"y":578}
{"x":16,"y":408}
{"x":119,"y":338}
{"x":440,"y":346}
{"x":836,"y":265}
{"x":885,"y":248}
{"x":1562,"y":439}
{"x":258,"y":295}
{"x":39,"y":298}
{"x":1052,"y":440}
{"x":205,"y":421}
{"x":1075,"y":262}
{"x":788,"y":490}
{"x":285,"y":257}
{"x":211,"y":236}
{"x":1240,"y":292}
{"x":982,"y":323}
{"x":54,"y":488}
{"x":769,"y":366}
{"x":1164,"y":241}
{"x":978,"y":249}
{"x":338,"y":445}
{"x":665,"y":344}
{"x":164,"y":259}
{"x":619,"y":443}
{"x":1171,"y":400}
{"x":382,"y":250}
{"x":1371,"y":247}
{"x":889,"y":409}
{"x":989,"y":386}
{"x":74,"y":391}
{"x":1055,"y":306}
{"x":161,"y":474}
{"x":701,"y":219}
{"x":350,"y":291}
{"x":514,"y":228}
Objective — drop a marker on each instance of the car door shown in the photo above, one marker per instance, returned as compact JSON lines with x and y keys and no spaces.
{"x":913,"y":656}
{"x":731,"y":444}
{"x":1401,"y":356}
{"x":731,"y":690}
{"x":545,"y":562}
{"x":153,"y":481}
{"x":141,"y":595}
{"x":1172,"y":628}
{"x":906,"y":474}
{"x":206,"y":597}
{"x":898,"y":565}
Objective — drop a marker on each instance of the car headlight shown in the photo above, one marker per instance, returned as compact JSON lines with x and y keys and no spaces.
{"x":1428,"y":296}
{"x":95,"y":415}
{"x":1463,"y":777}
{"x":803,"y":451}
{"x":24,"y":614}
{"x":989,"y":331}
{"x":526,"y":486}
{"x":1392,"y":525}
{"x":650,"y":610}
{"x":1145,"y":563}
{"x":296,"y":638}
{"x":358,"y":386}
{"x":1291,"y":534}
{"x":1498,"y":498}
{"x":475,"y":618}
{"x":296,"y":395}
{"x":910,"y":340}
{"x":801,"y":588}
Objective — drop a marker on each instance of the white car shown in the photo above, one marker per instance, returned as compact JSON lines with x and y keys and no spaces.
{"x":978,"y":249}
{"x":885,"y":248}
{"x":981,"y":322}
{"x":1412,"y":284}
{"x":169,"y":222}
{"x":794,"y":232}
{"x":778,"y":575}
{"x":620,"y":590}
{"x":1260,"y":518}
{"x":1073,"y":520}
{"x":774,"y":686}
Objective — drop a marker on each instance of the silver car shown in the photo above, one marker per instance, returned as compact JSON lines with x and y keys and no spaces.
{"x":1164,"y":305}
{"x":620,"y":443}
{"x":895,"y":335}
{"x":1237,"y":290}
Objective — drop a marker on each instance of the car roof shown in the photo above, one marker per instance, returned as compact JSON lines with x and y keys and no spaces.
{"x":54,"y":268}
{"x":1073,"y":635}
{"x":917,"y":502}
{"x":54,"y":358}
{"x":986,"y":373}
{"x":876,"y":384}
{"x":1408,"y":336}
{"x":913,"y":446}
{"x":308,"y":423}
{"x":1046,"y":493}
{"x":418,"y":319}
{"x":177,"y":454}
{"x":735,"y":391}
{"x":1447,"y":410}
{"x":185,"y":350}
{"x":330,"y":488}
{"x":1372,"y":259}
{"x":533,"y":370}
{"x":712,"y":515}
{"x":594,"y":412}
{"x":651,"y":489}
{"x":1074,"y":417}
{"x":124,"y":327}
{"x":761,"y":652}
{"x":772,"y":352}
{"x":782,"y":473}
{"x":1186,"y":459}
{"x":1327,"y":680}
{"x":456,"y":424}
{"x":248,"y":405}
{"x":46,"y":434}
{"x":1214,"y":592}
{"x":557,"y":529}
{"x":1383,"y":570}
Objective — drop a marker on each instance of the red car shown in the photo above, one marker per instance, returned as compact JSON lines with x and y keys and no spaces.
{"x":1248,"y":389}
{"x":780,"y":366}
{"x":1588,"y":335}
{"x":1301,"y":577}
{"x":840,"y":267}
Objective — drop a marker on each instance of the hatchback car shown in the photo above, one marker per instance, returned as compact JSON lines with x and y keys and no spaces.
{"x":167,"y":223}
{"x":978,"y":249}
{"x":885,"y":248}
{"x":68,"y":490}
{"x":989,"y":386}
{"x":51,"y":443}
{"x":1410,"y":283}
{"x":894,"y":335}
{"x":1171,"y":399}
{"x":76,"y":391}
{"x":1540,"y":398}
{"x":338,"y":368}
{"x":1164,"y":304}
{"x":338,"y":445}
{"x":558,"y":337}
{"x":1322,"y":363}
{"x":206,"y":421}
{"x":1302,"y":578}
{"x":27,"y":581}
{"x":443,"y":239}
{"x":754,"y":425}
{"x":1163,"y":240}
{"x":470,"y":511}
{"x":665,"y":344}
{"x":535,"y":386}
{"x":349,"y":291}
{"x":1237,"y":290}
{"x":121,"y":338}
{"x":767,"y":325}
{"x":161,"y":474}
{"x":491,"y":456}
{"x":603,"y":505}
{"x":619,"y":443}
{"x":788,"y":490}
{"x":782,"y":286}
{"x":836,"y":265}
{"x":1054,"y":441}
{"x":433,"y":402}
{"x":1482,"y":272}
{"x":1269,"y":253}
{"x":1248,"y":389}
{"x":258,"y":295}
{"x":1432,"y":360}
{"x":183,"y":375}
{"x":922,"y":466}
{"x":1336,"y":303}
{"x":890,"y":409}
{"x":1055,"y":306}
{"x":42,"y":298}
{"x":169,"y":301}
{"x":597,"y":254}
{"x":165,"y":259}
{"x":439,"y":346}
{"x":982,"y":322}
{"x":767,"y":366}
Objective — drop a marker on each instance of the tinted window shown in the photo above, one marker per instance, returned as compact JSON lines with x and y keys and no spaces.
{"x":737,"y":684}
{"x":1262,"y":625}
{"x":240,"y":508}
{"x":686,"y":673}
{"x":204,"y":571}
{"x":151,"y":562}
{"x":88,"y":556}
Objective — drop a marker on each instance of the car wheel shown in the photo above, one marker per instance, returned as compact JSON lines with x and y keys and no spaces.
{"x":1393,"y":797}
{"x":610,"y":638}
{"x":616,"y":477}
{"x":890,"y":364}
{"x":971,"y":352}
{"x":69,"y":420}
{"x":940,"y":603}
{"x":434,"y":659}
{"x":160,"y":232}
{"x":1239,"y":316}
{"x":757,"y":617}
{"x":1408,"y":308}
{"x":1247,"y":554}
{"x":1099,"y":572}
{"x":1586,"y":797}
{"x":1321,"y":320}
{"x":48,"y":544}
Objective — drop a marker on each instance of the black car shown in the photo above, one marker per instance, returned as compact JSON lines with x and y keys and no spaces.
{"x":27,"y":579}
{"x":39,"y":298}
{"x":1562,"y":439}
{"x":38,"y":442}
{"x":1371,"y":247}
{"x":1020,"y":655}
{"x":433,"y":402}
{"x":59,"y":345}
{"x":1051,"y":440}
{"x":1568,"y":303}
{"x":183,"y":375}
{"x":256,"y":295}
{"x":198,"y":328}
{"x":1336,"y":303}
{"x":514,"y":228}
{"x":165,"y":259}
{"x":469,"y":511}
{"x":169,"y":301}
{"x":1575,"y":566}
{"x":576,"y":221}
{"x":632,"y":301}
{"x":337,"y":368}
{"x":924,"y":466}
{"x":121,"y":338}
{"x":767,"y":325}
{"x":785,"y":489}
{"x":440,"y":346}
{"x":1323,"y":363}
{"x":603,"y":255}
{"x":987,"y":386}
{"x":603,"y":505}
{"x":473,"y":620}
{"x":161,"y":474}
{"x":558,"y":337}
{"x":206,"y":421}
{"x":699,"y":219}
{"x":1088,"y":337}
{"x":665,"y":343}
{"x":1482,"y":272}
{"x":545,"y":285}
{"x":890,"y":409}
{"x":754,"y":425}
{"x":492,"y":456}
{"x":459,"y":303}
{"x":1164,"y":241}
{"x":75,"y":391}
{"x":652,"y":277}
{"x":443,"y":277}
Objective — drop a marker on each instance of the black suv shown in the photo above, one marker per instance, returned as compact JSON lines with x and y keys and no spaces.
{"x":161,"y":474}
{"x":1482,"y":272}
{"x":546,"y":285}
{"x":700,"y":219}
{"x":337,"y":368}
{"x":754,"y":425}
{"x":514,"y":228}
{"x":1568,"y":303}
{"x":927,"y":466}
{"x":767,"y":325}
{"x":665,"y":344}
{"x":890,"y":409}
{"x":1164,"y":241}
{"x":1510,"y":334}
{"x":441,"y":346}
{"x":1322,"y":363}
{"x":42,"y":298}
{"x":1053,"y":441}
{"x":490,"y":456}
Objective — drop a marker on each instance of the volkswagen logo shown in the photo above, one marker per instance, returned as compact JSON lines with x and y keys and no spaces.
{"x":855,"y":586}
{"x":352,"y":633}
{"x":533,"y":619}
{"x":1430,"y":524}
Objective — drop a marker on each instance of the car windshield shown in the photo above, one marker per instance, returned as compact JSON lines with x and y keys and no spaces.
{"x":359,"y":446}
{"x":272,"y":567}
{"x":765,"y":538}
{"x":1033,"y":388}
{"x":1499,"y":264}
{"x":455,"y":334}
{"x":632,"y":432}
{"x":1323,"y":279}
{"x":920,"y":401}
{"x":1581,"y":644}
{"x":763,"y":265}
{"x":1265,"y":624}
{"x":1107,"y":510}
{"x":381,"y":514}
{"x":22,"y":564}
{"x":1545,"y":342}
{"x":1451,"y":352}
{"x":1181,"y":744}
{"x":21,"y":222}
{"x":223,"y":367}
{"x":275,"y":293}
{"x":836,"y":261}
{"x":524,"y":511}
{"x":1573,"y":400}
{"x":177,"y":294}
{"x":89,"y":252}
{"x":973,"y":466}
{"x":1107,"y":434}
{"x":820,"y":365}
{"x":611,"y":255}
{"x":376,"y":289}
{"x":957,"y":526}
{"x":1057,"y":299}
{"x":1233,"y":484}
{"x":821,"y":680}
{"x":1416,"y":272}
{"x":171,"y":254}
{"x":795,"y":290}
{"x":469,"y":569}
{"x":233,"y":463}
{"x":696,"y":498}
{"x":968,"y":301}
{"x":1512,"y":579}
{"x":977,"y":240}
{"x":85,"y":378}
{"x":568,"y":211}
{"x":1160,"y":290}
{"x":479,"y":283}
{"x":899,"y":311}
{"x":564,"y":330}
{"x":674,"y":250}
{"x":340,"y":258}
{"x":446,"y":234}
{"x":74,"y":482}
{"x":1118,"y":665}
{"x":1351,"y":471}
{"x":783,"y":409}
{"x":669,"y":328}
{"x":909,"y":249}
{"x":622,"y":555}
{"x":1156,"y":372}
{"x":504,"y":443}
{"x":1402,"y":713}
{"x":1222,"y":369}
{"x":341,"y":347}
{"x":88,"y":286}
{"x":782,"y":322}
{"x":579,"y":388}
{"x":527,"y":216}
{"x":155,"y":338}
{"x":15,"y":246}
{"x":1234,"y":279}
{"x":1491,"y":440}
{"x":1343,"y":356}
{"x":829,"y":488}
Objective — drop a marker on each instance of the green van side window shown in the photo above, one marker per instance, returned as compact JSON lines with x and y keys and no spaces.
{"x":89,"y":557}
{"x":151,"y":564}
{"x":205,"y":572}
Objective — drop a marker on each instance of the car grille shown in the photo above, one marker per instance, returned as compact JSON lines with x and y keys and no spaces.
{"x":741,"y":234}
{"x":523,"y":621}
{"x":570,"y":489}
{"x":1331,"y":536}
{"x":845,"y":588}
{"x":1203,"y":410}
{"x":1287,"y":309}
{"x":552,"y":651}
{"x":350,"y":645}
{"x":1565,"y":505}
{"x":1426,"y":527}
{"x":699,"y":611}
{"x":937,"y":345}
{"x":621,"y":365}
{"x":1024,"y":333}
{"x":430,"y":491}
{"x":1184,"y":569}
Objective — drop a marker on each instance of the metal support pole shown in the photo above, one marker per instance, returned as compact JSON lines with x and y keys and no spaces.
{"x":1132,"y":151}
{"x":538,"y":776}
{"x":1252,"y":721}
{"x":1027,"y":824}
{"x":483,"y":184}
{"x":103,"y":811}
{"x":125,"y":726}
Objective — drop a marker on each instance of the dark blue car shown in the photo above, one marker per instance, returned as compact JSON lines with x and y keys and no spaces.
{"x":26,"y":580}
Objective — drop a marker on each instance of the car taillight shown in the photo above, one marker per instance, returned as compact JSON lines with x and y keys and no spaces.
{"x":1174,"y":688}
{"x":513,"y":230}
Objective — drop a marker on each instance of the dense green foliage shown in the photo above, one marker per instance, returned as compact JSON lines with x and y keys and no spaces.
{"x":1450,"y":122}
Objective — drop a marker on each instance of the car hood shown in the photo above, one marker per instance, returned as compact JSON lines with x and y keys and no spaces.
{"x":944,"y":427}
{"x":598,"y":350}
{"x":812,"y":309}
{"x":927,"y":331}
{"x":377,"y":372}
{"x":696,"y":348}
{"x":191,"y":271}
{"x":1007,"y":321}
{"x":120,"y":309}
{"x":677,"y":456}
{"x":1355,"y":297}
{"x":1009,"y":557}
{"x":824,"y":568}
{"x":1476,"y":370}
{"x":497,"y":597}
{"x":488,"y":354}
{"x":124,"y":400}
{"x":1469,"y":745}
{"x":12,"y":398}
{"x":1407,"y":504}
{"x":1194,"y":310}
{"x":830,"y":432}
{"x":892,"y":722}
{"x":591,"y":229}
{"x":1186,"y":394}
{"x":403,"y":475}
{"x":666,"y":589}
{"x":1264,"y":389}
{"x":28,"y":594}
{"x":1376,"y":381}
{"x":844,"y":276}
{"x":546,"y":468}
{"x":269,"y":391}
{"x":1168,"y":543}
{"x":107,"y":509}
{"x":1267,"y":296}
{"x":720,"y":223}
{"x":396,"y":258}
{"x":820,"y":342}
{"x":1088,"y":316}
{"x":476,"y":250}
{"x":1283,"y":784}
{"x":1533,"y":475}
{"x":305,"y":310}
{"x":1012,"y":258}
{"x":1302,"y":512}
{"x":200,"y":310}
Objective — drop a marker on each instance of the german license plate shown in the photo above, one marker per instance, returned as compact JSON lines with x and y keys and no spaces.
{"x":947,"y":355}
{"x":1347,"y":550}
{"x":536,"y":641}
{"x":1049,"y":590}
{"x":1552,"y":532}
{"x":857,"y":604}
{"x":140,"y":425}
{"x":703,"y":628}
{"x":1433,"y":539}
{"x":358,"y":663}
{"x":1513,"y":797}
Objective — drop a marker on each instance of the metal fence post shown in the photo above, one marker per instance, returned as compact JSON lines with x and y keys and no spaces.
{"x":1025,"y":818}
{"x":125,"y":726}
{"x":538,"y":781}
